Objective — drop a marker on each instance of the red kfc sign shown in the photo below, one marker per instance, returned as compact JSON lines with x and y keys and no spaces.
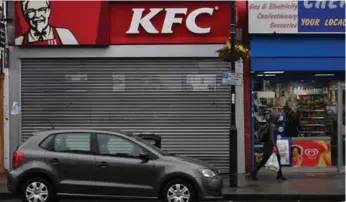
{"x":56,"y":23}
{"x":169,"y":22}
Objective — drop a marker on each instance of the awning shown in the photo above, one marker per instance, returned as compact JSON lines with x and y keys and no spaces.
{"x":297,"y":53}
{"x":298,"y":64}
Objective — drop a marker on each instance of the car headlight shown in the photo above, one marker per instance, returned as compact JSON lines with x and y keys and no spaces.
{"x":208,"y":173}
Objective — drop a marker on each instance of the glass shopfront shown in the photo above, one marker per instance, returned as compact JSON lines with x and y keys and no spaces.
{"x":313,"y":104}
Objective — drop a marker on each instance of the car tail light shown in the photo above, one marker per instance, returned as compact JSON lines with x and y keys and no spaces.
{"x":17,"y":159}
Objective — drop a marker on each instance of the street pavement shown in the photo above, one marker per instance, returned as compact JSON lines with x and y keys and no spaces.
{"x":141,"y":201}
{"x":313,"y":187}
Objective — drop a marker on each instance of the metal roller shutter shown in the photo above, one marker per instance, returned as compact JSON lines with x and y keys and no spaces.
{"x":181,"y":100}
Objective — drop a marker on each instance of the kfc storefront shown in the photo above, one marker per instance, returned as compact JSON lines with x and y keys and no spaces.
{"x":132,"y":66}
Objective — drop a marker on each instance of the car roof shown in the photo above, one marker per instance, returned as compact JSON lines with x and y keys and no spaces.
{"x":49,"y":132}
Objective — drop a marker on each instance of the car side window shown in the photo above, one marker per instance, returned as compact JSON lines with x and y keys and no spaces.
{"x":46,"y":143}
{"x":73,"y":143}
{"x":117,"y":146}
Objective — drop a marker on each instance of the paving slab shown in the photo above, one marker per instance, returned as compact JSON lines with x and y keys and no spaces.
{"x":298,"y":186}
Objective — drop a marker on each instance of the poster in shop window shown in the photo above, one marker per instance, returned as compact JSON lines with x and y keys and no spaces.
{"x":311,"y":153}
{"x":284,"y":146}
{"x":56,"y":23}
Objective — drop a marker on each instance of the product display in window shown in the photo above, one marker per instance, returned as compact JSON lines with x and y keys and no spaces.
{"x":314,"y":120}
{"x":312,"y":114}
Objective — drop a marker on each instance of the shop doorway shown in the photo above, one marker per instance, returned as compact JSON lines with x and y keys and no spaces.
{"x":315,"y":97}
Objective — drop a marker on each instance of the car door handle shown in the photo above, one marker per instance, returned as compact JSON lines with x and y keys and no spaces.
{"x":103,"y":164}
{"x":54,"y":161}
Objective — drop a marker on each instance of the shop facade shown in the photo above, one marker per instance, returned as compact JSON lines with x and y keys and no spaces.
{"x":298,"y":63}
{"x":145,"y":67}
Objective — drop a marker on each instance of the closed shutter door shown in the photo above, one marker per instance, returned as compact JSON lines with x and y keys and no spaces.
{"x":182,"y":100}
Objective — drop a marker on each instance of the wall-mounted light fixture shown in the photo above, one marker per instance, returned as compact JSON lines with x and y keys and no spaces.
{"x":274,"y":72}
{"x":324,"y":74}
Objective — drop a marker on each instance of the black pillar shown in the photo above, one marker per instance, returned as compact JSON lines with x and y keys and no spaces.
{"x":233,"y":139}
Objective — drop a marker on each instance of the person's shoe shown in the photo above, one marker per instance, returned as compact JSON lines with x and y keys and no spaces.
{"x":254,"y":175}
{"x":280,"y":177}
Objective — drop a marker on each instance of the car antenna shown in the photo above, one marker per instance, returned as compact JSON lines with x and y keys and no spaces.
{"x":51,"y":125}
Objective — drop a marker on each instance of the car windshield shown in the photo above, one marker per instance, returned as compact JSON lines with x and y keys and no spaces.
{"x":153,"y":147}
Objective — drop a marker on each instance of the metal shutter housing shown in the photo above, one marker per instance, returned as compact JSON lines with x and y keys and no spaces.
{"x":182,"y":100}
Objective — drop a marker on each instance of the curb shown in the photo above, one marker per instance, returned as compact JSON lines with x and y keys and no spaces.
{"x":284,"y":197}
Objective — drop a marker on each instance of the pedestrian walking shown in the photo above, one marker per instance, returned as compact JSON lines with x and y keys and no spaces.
{"x":269,"y":139}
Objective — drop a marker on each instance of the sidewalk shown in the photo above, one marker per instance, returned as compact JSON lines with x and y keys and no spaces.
{"x":4,"y":194}
{"x":298,"y":186}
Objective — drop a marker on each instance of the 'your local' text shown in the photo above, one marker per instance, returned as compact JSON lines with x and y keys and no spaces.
{"x":326,"y":22}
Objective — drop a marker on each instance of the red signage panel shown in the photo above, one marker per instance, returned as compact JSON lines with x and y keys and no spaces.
{"x":40,"y":23}
{"x":169,"y":22}
{"x":311,"y":153}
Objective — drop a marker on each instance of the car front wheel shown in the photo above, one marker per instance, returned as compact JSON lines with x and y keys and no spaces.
{"x":37,"y":190}
{"x":179,"y":191}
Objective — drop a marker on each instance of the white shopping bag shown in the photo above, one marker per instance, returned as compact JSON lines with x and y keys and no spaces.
{"x":272,"y":163}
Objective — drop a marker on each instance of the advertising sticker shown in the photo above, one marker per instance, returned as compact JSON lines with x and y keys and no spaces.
{"x":311,"y":153}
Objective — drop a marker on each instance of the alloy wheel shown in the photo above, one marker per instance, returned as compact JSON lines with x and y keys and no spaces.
{"x":36,"y":192}
{"x":178,"y":193}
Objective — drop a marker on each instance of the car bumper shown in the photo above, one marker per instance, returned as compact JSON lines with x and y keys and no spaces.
{"x":211,"y":188}
{"x":11,"y":181}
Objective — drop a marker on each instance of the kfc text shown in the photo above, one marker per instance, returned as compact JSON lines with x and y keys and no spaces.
{"x":171,"y":18}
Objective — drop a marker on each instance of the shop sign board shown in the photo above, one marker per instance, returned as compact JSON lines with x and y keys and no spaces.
{"x":297,"y":16}
{"x":169,"y":22}
{"x":63,"y":23}
{"x":311,"y":153}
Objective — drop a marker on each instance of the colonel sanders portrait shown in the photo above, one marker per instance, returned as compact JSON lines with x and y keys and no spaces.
{"x":41,"y":32}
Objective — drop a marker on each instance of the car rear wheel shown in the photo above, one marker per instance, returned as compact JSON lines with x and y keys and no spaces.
{"x":178,"y":191}
{"x":37,"y":190}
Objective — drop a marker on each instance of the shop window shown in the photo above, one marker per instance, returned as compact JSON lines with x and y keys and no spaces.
{"x":310,"y":120}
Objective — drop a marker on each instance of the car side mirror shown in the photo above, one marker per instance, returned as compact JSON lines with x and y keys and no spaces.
{"x":144,"y":157}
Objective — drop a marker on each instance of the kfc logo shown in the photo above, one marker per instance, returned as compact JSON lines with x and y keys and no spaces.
{"x":311,"y":153}
{"x":41,"y":32}
{"x":170,"y":19}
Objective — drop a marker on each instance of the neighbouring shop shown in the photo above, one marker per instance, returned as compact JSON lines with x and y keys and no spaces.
{"x":130,"y":73}
{"x":3,"y":68}
{"x":301,"y":67}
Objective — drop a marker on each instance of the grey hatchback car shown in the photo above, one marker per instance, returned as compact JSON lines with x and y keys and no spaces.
{"x":107,"y":164}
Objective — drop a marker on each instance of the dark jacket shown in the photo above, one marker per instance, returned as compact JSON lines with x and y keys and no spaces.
{"x":292,"y":124}
{"x":269,"y":133}
{"x":269,"y":138}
